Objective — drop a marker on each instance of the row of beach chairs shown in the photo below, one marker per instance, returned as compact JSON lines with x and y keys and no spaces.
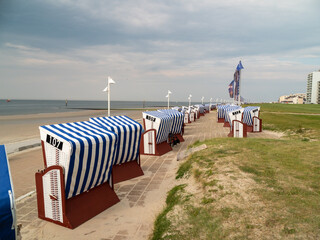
{"x":83,"y":161}
{"x":240,"y":120}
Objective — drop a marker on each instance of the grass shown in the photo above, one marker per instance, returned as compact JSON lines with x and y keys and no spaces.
{"x":280,"y":180}
{"x":305,"y":126}
{"x":289,"y":108}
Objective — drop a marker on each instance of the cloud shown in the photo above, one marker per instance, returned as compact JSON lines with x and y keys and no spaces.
{"x":150,"y":46}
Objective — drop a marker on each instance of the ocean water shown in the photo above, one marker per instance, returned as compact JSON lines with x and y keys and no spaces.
{"x":22,"y":107}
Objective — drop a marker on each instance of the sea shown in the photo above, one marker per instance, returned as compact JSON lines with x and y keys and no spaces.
{"x":22,"y":107}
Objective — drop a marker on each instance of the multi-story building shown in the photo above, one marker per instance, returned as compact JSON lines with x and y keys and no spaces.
{"x":297,"y":98}
{"x":313,"y":88}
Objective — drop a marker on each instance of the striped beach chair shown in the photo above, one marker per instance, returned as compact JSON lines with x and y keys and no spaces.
{"x":127,"y":157}
{"x":8,"y":223}
{"x":226,"y":114}
{"x":238,"y":129}
{"x":251,"y":116}
{"x":76,"y":183}
{"x":201,"y":110}
{"x":189,"y":115}
{"x":177,"y":123}
{"x":207,"y":107}
{"x":157,"y":127}
{"x":221,"y":112}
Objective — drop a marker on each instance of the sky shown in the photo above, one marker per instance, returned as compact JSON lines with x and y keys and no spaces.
{"x":66,"y":49}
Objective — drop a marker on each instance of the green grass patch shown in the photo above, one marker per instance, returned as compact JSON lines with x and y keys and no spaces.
{"x":290,"y":108}
{"x":162,"y":223}
{"x":303,"y":125}
{"x":184,"y":169}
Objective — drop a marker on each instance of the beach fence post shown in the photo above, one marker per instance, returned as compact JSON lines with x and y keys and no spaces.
{"x":168,"y":96}
{"x":107,"y":89}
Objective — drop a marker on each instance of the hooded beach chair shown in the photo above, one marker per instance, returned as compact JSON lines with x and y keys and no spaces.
{"x":238,"y":129}
{"x":8,"y":224}
{"x":127,"y":159}
{"x":157,"y":127}
{"x":226,"y":110}
{"x":76,"y":183}
{"x":188,"y":115}
{"x":177,"y":123}
{"x":207,"y":107}
{"x":221,"y":112}
{"x":251,"y":116}
{"x":200,"y":109}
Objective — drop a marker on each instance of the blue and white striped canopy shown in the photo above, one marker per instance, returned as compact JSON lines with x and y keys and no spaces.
{"x":227,"y":110}
{"x":221,"y":112}
{"x":177,"y":122}
{"x":129,"y":135}
{"x":90,"y":150}
{"x":248,"y":114}
{"x":200,"y":107}
{"x":162,"y":126}
{"x":177,"y":108}
{"x":207,"y":107}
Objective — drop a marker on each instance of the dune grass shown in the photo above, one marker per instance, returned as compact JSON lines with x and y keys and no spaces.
{"x":251,"y":188}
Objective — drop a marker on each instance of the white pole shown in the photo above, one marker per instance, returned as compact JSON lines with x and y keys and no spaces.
{"x":168,"y":96}
{"x":108,"y":98}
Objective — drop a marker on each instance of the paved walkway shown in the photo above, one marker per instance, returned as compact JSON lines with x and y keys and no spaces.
{"x":141,"y":198}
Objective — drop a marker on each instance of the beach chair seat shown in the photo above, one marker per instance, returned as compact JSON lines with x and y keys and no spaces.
{"x":177,"y":124}
{"x":251,"y":116}
{"x":76,"y":183}
{"x":157,"y":127}
{"x":238,"y":129}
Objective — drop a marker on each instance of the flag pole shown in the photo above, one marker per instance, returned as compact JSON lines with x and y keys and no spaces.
{"x":239,"y":96}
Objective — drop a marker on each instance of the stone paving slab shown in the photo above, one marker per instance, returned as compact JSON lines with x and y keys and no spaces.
{"x":141,"y":198}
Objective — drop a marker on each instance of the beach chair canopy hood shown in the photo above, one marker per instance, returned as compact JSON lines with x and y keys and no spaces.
{"x":248,"y":114}
{"x":220,"y":111}
{"x":235,"y":114}
{"x":7,"y":209}
{"x":160,"y":122}
{"x":85,"y":151}
{"x":177,"y":122}
{"x":200,"y":107}
{"x":129,"y":135}
{"x":229,"y":109}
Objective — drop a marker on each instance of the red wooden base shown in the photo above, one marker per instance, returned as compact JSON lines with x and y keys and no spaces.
{"x":220,"y":120}
{"x":249,"y":128}
{"x":85,"y":206}
{"x":179,"y":136}
{"x":226,"y":124}
{"x":80,"y":208}
{"x":162,"y":148}
{"x":201,"y":114}
{"x":126,"y":171}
